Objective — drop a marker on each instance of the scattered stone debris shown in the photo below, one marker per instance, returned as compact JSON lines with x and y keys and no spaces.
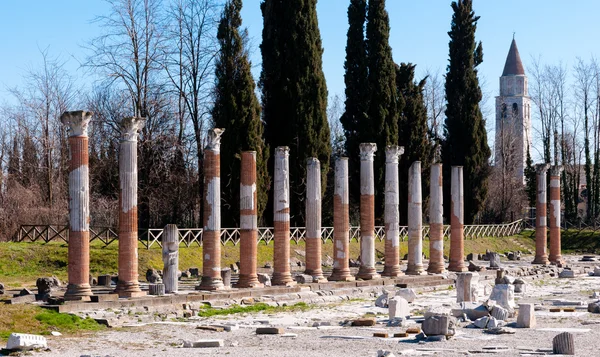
{"x":46,"y":286}
{"x":385,"y":353}
{"x":204,"y":344}
{"x":25,"y":342}
{"x":588,"y":258}
{"x":520,"y":286}
{"x":211,"y":328}
{"x":500,"y":331}
{"x":366,"y":321}
{"x":408,"y":294}
{"x":264,"y":279}
{"x":270,"y":331}
{"x":413,"y":330}
{"x":380,"y":334}
{"x":563,"y":344}
{"x":594,"y":307}
{"x":194,"y":272}
{"x":398,"y":307}
{"x":504,"y":295}
{"x":304,"y":279}
{"x":566,"y":274}
{"x":152,"y":276}
{"x":475,"y":268}
{"x":435,"y":325}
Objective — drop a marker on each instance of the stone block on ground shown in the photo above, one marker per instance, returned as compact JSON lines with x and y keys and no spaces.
{"x":156,"y":289}
{"x":473,"y":310}
{"x":474,"y":267}
{"x":500,"y":313}
{"x":494,"y":259}
{"x":382,"y":300}
{"x":47,"y":285}
{"x":563,"y":344}
{"x":304,"y":279}
{"x":566,"y":274}
{"x":210,"y":328}
{"x":104,"y":297}
{"x":367,"y":321}
{"x":203,"y":344}
{"x":152,"y":276}
{"x":504,"y":295}
{"x":596,"y":271}
{"x":437,"y":311}
{"x":436,"y":325}
{"x":264,"y":279}
{"x":466,"y":286}
{"x":407,"y":293}
{"x":500,"y":331}
{"x":23,"y":299}
{"x":270,"y":330}
{"x":481,"y":322}
{"x":398,"y":307}
{"x":104,"y":280}
{"x":526,"y":318}
{"x":520,"y":286}
{"x":226,"y":277}
{"x":594,"y":307}
{"x":25,"y":292}
{"x":413,"y":330}
{"x":24,"y":342}
{"x":381,"y":334}
{"x":194,"y":272}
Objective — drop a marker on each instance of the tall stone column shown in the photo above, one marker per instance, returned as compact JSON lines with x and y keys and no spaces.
{"x":128,"y":284}
{"x":415,"y":221}
{"x":211,"y":234}
{"x":248,"y":223}
{"x":367,"y":212}
{"x":436,"y":221}
{"x":457,"y":222}
{"x":79,"y":206}
{"x":555,"y":254}
{"x":170,"y":257}
{"x":392,"y":212}
{"x":541,"y":216}
{"x":313,"y":220}
{"x":281,"y":219}
{"x":341,"y":223}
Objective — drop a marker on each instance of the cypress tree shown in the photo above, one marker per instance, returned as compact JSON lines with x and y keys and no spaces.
{"x":294,"y":93}
{"x":465,"y":142}
{"x":530,"y":180}
{"x":384,"y":103}
{"x":237,"y":110}
{"x":412,"y":132}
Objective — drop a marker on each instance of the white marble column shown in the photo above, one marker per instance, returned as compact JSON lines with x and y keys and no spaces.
{"x":392,"y":212}
{"x":415,"y":221}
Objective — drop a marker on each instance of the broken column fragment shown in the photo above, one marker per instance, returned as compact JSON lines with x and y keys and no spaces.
{"x":466,"y":286}
{"x":170,"y":257}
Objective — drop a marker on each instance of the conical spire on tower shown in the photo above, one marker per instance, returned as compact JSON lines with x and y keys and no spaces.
{"x":513,"y":65}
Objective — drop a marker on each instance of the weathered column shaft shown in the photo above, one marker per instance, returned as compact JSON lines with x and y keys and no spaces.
{"x":211,"y":234}
{"x":541,"y":230}
{"x":415,"y":221}
{"x":248,"y":223}
{"x":436,"y":221}
{"x":79,"y":206}
{"x":128,"y":284}
{"x":457,"y":222}
{"x":281,"y":219}
{"x":392,"y":212}
{"x":313,"y":220}
{"x":367,"y":212}
{"x":170,"y":257}
{"x":341,"y":223}
{"x":555,"y":249}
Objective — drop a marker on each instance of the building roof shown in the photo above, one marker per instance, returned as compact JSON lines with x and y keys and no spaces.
{"x":513,"y":65}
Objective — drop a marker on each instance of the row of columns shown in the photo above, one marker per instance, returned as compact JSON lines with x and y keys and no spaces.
{"x":542,"y":216}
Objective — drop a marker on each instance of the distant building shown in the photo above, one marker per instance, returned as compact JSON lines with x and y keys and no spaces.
{"x":513,"y":117}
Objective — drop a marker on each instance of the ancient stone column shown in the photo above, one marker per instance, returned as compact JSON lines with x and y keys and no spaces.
{"x":211,"y":234}
{"x":392,"y":213}
{"x":79,"y":206}
{"x":313,"y":220}
{"x":170,"y":257}
{"x":341,"y":223}
{"x":541,"y":230}
{"x":367,"y":212}
{"x":436,"y":221}
{"x":457,"y":222}
{"x":248,"y":223}
{"x":128,"y":285}
{"x":555,"y":256}
{"x":415,"y":221}
{"x":281,"y":219}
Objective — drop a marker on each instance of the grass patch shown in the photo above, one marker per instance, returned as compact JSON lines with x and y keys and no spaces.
{"x":256,"y":308}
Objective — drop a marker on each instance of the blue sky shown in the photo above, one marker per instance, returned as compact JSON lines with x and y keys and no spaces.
{"x":553,"y":29}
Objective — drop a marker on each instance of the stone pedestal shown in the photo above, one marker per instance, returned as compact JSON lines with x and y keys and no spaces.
{"x":170,"y":257}
{"x":526,"y":318}
{"x":248,"y":223}
{"x":541,"y":230}
{"x":79,"y":206}
{"x":341,"y":223}
{"x":466,"y":287}
{"x":313,"y":221}
{"x":392,"y":213}
{"x":281,"y":219}
{"x":555,"y":249}
{"x":415,"y":221}
{"x":436,"y":221}
{"x":457,"y":227}
{"x":211,"y":235}
{"x":128,"y":284}
{"x":367,"y":212}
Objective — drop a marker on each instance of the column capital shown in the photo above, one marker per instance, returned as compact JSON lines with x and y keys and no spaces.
{"x":541,"y":169}
{"x":555,"y":170}
{"x":214,"y":139}
{"x":130,"y":128}
{"x":393,"y":153}
{"x":313,"y":161}
{"x":77,"y":122}
{"x":283,"y":151}
{"x":367,"y":151}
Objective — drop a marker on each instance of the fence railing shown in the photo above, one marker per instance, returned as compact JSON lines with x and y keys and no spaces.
{"x":193,"y":236}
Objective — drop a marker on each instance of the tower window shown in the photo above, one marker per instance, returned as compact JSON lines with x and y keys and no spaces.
{"x":515,"y":109}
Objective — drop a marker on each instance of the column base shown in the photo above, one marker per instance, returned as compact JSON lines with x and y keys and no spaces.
{"x":392,"y":271}
{"x":458,"y":267}
{"x":436,"y":268}
{"x":543,"y":260}
{"x":129,"y":289}
{"x":210,"y":284}
{"x":367,"y":273}
{"x":415,"y":269}
{"x":341,"y":275}
{"x":557,"y":260}
{"x":80,"y":292}
{"x":249,"y":281}
{"x":283,"y":279}
{"x":317,"y":275}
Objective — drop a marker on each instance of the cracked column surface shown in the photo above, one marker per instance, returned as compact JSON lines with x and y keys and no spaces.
{"x":457,"y":222}
{"x":367,"y":212}
{"x":248,"y":223}
{"x":170,"y":257}
{"x":436,"y":221}
{"x":341,"y":223}
{"x":128,"y":284}
{"x":211,"y":234}
{"x":313,"y":220}
{"x":541,"y":216}
{"x":79,"y":206}
{"x":281,"y":219}
{"x":554,"y":215}
{"x":415,"y":221}
{"x":392,"y":212}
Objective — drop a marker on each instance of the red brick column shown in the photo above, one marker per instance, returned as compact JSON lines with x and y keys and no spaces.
{"x":457,"y":222}
{"x":313,"y":220}
{"x":79,"y":206}
{"x":341,"y":223}
{"x":367,"y":212}
{"x":436,"y":221}
{"x":281,"y":219}
{"x":211,"y":234}
{"x":248,"y":223}
{"x":541,"y":216}
{"x":128,"y":285}
{"x":392,"y":212}
{"x":555,"y":254}
{"x":415,"y":221}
